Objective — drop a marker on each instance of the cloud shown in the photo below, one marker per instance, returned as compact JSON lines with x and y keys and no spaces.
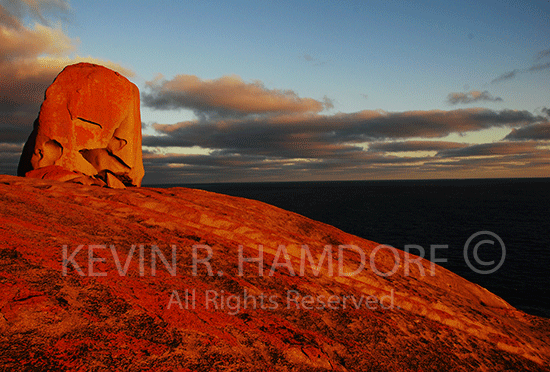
{"x":315,"y":61}
{"x":18,"y":41}
{"x":31,"y":56}
{"x":226,"y":96}
{"x":312,"y":136}
{"x":472,"y":97}
{"x":491,"y":149}
{"x":310,"y":145}
{"x":407,"y":146}
{"x":14,"y":133}
{"x":253,"y":133}
{"x":539,"y":66}
{"x":24,"y":68}
{"x":38,"y":9}
{"x":9,"y":157}
{"x":487,"y":160}
{"x":506,"y":76}
{"x":219,"y":167}
{"x":30,"y":59}
{"x":527,"y":164}
{"x":543,"y":54}
{"x":539,"y":131}
{"x":534,"y":68}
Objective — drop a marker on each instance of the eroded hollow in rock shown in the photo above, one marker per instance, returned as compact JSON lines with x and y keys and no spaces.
{"x":47,"y":154}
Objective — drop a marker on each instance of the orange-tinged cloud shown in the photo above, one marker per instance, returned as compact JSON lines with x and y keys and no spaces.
{"x":21,"y":42}
{"x":30,"y":59}
{"x":228,"y":95}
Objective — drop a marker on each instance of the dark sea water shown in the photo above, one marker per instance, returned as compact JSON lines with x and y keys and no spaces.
{"x":437,"y":212}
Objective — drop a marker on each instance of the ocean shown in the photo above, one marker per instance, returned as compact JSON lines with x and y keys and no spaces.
{"x":487,"y":213}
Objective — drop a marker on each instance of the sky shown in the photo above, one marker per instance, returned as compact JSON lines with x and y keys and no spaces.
{"x":257,"y":91}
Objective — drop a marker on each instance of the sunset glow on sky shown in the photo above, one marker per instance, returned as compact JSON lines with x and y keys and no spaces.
{"x":235,"y":91}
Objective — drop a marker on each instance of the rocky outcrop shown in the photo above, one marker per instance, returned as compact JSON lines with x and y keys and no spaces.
{"x":88,"y":129}
{"x":97,"y":279}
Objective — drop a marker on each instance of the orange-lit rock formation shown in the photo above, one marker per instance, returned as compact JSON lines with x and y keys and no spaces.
{"x":88,"y":130}
{"x":75,"y":295}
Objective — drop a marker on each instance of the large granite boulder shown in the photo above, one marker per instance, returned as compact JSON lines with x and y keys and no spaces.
{"x":88,"y":130}
{"x":149,"y":279}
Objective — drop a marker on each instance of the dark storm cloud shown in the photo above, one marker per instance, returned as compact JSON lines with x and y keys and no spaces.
{"x":539,"y":131}
{"x":472,"y":97}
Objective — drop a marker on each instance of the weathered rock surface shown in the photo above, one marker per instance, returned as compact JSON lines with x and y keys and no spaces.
{"x":89,"y":123}
{"x":79,"y":322}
